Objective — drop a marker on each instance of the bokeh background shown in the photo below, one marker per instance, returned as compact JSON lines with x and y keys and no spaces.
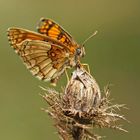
{"x":113,"y":56}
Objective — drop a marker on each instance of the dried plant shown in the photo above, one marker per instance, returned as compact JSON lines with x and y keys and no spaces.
{"x":80,"y":108}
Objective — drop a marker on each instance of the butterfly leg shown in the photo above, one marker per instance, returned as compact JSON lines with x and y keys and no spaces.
{"x":68,"y":79}
{"x":86,"y":66}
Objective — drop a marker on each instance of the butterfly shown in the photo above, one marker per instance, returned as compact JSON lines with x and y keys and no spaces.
{"x":48,"y":53}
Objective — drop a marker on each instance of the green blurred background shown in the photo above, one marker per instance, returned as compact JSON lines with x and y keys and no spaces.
{"x":113,"y":55}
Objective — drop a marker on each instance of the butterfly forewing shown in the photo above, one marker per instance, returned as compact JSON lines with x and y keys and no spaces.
{"x":53,"y":30}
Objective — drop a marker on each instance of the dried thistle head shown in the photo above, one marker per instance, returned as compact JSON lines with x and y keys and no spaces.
{"x":82,"y":92}
{"x":80,"y":108}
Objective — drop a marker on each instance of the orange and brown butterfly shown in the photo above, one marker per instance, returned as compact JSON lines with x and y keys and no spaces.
{"x":47,"y":53}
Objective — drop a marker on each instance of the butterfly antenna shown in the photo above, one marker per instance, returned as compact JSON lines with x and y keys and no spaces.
{"x":94,"y":33}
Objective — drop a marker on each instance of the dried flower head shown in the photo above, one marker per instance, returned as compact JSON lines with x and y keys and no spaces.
{"x":82,"y":91}
{"x":80,"y":108}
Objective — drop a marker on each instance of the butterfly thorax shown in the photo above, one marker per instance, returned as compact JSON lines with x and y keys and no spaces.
{"x":76,"y":52}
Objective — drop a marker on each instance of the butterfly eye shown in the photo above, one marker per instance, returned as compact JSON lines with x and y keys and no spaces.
{"x":78,"y":51}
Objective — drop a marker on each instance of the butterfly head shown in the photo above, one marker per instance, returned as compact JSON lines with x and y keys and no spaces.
{"x":80,"y":51}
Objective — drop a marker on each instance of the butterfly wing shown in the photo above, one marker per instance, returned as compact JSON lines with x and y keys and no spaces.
{"x":17,"y":35}
{"x":55,"y":31}
{"x":44,"y":59}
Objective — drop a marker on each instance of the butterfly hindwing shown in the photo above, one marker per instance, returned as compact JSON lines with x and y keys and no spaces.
{"x":44,"y":60}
